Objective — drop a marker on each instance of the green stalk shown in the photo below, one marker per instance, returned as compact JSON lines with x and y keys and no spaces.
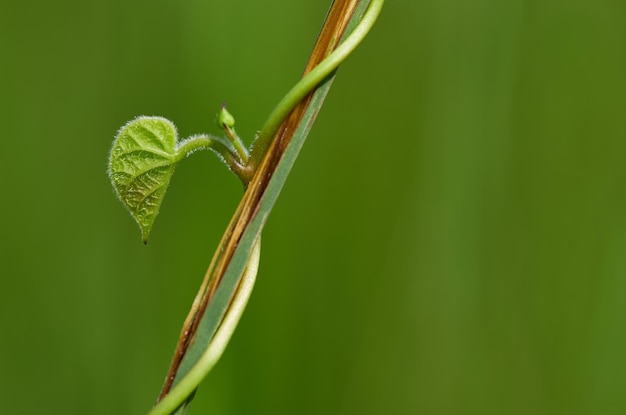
{"x":219,"y":342}
{"x":311,"y":80}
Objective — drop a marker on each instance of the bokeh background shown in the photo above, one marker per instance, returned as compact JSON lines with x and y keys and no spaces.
{"x":452,"y":239}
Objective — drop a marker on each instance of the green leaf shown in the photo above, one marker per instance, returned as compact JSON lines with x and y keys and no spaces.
{"x":141,"y":164}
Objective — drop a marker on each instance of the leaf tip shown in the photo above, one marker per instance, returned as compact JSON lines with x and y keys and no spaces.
{"x":145,"y":231}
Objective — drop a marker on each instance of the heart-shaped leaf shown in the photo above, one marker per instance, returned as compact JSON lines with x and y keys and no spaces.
{"x":141,"y":164}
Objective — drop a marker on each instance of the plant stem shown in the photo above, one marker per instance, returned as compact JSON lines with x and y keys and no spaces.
{"x":222,"y":147}
{"x":212,"y":354}
{"x":237,"y":143}
{"x":309,"y":81}
{"x":247,"y":222}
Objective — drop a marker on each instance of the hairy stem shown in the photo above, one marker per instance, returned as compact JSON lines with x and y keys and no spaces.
{"x":222,"y":147}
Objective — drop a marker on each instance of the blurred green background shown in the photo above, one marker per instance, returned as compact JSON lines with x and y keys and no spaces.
{"x":452,"y":239}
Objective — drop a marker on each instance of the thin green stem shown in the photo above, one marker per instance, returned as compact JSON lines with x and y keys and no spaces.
{"x":204,"y":142}
{"x":211,"y":355}
{"x":226,"y":122}
{"x":242,"y":152}
{"x":310,"y":80}
{"x":222,"y":147}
